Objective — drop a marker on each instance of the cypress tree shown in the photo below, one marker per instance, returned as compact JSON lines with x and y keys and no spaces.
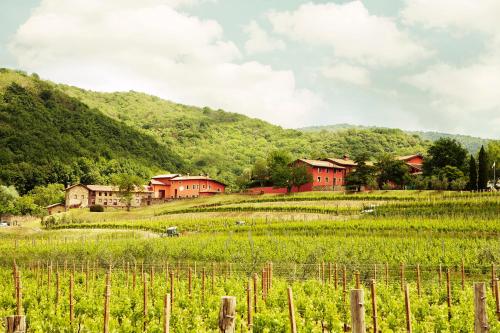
{"x":472,"y":186}
{"x":482,"y":174}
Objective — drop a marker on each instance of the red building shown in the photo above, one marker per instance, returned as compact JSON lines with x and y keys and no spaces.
{"x":344,"y":162}
{"x":326,"y":176}
{"x":173,"y":186}
{"x":415,"y":163}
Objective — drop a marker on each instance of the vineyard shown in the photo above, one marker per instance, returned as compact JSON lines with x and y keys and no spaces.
{"x":416,"y":256}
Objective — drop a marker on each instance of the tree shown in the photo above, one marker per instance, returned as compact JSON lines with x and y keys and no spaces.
{"x":47,"y":195}
{"x":127,"y":186}
{"x":392,"y":170}
{"x":443,"y":152}
{"x":8,"y":196}
{"x":363,"y":175}
{"x":260,"y":172}
{"x":493,"y":152}
{"x":299,"y":176}
{"x":482,"y":170}
{"x":472,"y":184}
{"x":280,"y":173}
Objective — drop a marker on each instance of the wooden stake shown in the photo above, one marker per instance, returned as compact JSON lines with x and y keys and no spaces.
{"x":358,"y":284}
{"x":418,"y":280}
{"x":374,"y":306}
{"x":448,"y":292}
{"x":497,"y":300}
{"x":291,"y":313}
{"x":166,"y":314}
{"x":249,"y":305}
{"x":255,"y":292}
{"x":227,"y":314}
{"x":16,"y":324}
{"x":480,"y":314}
{"x":107,"y":296}
{"x":408,"y":310}
{"x":71,"y":302}
{"x":172,"y":277}
{"x":358,"y":311}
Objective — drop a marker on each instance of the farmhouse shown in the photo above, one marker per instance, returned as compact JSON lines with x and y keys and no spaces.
{"x":414,"y":162}
{"x":80,"y":195}
{"x":175,"y":186}
{"x":56,"y":208}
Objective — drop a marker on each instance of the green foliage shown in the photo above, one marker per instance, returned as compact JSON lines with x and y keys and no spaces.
{"x":299,"y":176}
{"x":48,"y":195}
{"x":472,"y":183}
{"x":48,"y":137}
{"x":96,"y":208}
{"x":127,"y":186}
{"x":444,"y":152}
{"x":482,"y":170}
{"x":392,"y":170}
{"x":363,"y":175}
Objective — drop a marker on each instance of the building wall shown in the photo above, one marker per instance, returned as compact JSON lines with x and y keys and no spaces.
{"x":191,"y":188}
{"x":77,"y":196}
{"x":415,"y":160}
{"x":56,"y":209}
{"x":114,"y":199}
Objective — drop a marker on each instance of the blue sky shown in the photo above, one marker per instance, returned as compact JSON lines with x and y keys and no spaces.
{"x":412,"y":64}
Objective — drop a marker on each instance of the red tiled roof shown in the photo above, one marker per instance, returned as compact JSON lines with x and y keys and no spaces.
{"x":408,"y":157}
{"x":169,"y":176}
{"x":318,"y":163}
{"x":342,"y":161}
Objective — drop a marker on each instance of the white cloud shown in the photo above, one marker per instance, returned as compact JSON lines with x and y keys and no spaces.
{"x":460,"y":15}
{"x":348,"y":73}
{"x":351,"y":31}
{"x":259,"y":40}
{"x":151,"y":46}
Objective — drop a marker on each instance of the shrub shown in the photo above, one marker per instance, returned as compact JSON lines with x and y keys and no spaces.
{"x":97,"y":208}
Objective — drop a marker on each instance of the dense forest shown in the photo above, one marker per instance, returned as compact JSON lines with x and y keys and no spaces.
{"x":471,"y":143}
{"x":48,"y":137}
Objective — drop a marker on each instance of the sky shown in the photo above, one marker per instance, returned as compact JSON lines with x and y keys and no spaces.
{"x":411,"y":64}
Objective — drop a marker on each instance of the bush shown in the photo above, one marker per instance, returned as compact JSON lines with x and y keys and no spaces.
{"x":97,"y":208}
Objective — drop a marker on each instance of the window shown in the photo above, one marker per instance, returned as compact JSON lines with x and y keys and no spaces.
{"x":209,"y":187}
{"x":115,"y":202}
{"x":100,"y":200}
{"x":334,"y":181}
{"x":327,"y":170}
{"x":319,"y":170}
{"x":187,"y":187}
{"x":204,"y":186}
{"x":105,"y":202}
{"x":326,"y":179}
{"x":76,"y":196}
{"x":319,"y":179}
{"x":83,"y":196}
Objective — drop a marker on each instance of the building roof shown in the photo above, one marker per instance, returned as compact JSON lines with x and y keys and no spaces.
{"x":342,"y":161}
{"x":108,"y":188}
{"x":168,"y":176}
{"x":180,"y":178}
{"x":408,"y":157}
{"x":321,"y":164}
{"x":157,"y":182}
{"x":416,"y":166}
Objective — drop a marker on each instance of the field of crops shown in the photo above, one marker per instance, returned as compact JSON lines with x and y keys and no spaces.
{"x":312,"y":239}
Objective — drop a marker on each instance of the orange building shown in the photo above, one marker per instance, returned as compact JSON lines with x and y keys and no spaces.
{"x":415,"y":163}
{"x":326,"y":176}
{"x":173,"y":186}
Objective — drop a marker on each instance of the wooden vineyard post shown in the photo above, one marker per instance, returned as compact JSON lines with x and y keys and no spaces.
{"x":264,"y":284}
{"x":493,"y":278}
{"x":335,"y":278}
{"x":145,"y":303}
{"x":358,"y":311}
{"x":190,"y":284}
{"x":344,"y":284}
{"x":107,"y":296}
{"x":480,"y":314}
{"x":255,"y":292}
{"x":418,"y":280}
{"x":19,"y":293}
{"x":448,"y":292}
{"x":374,"y":306}
{"x":16,"y":324}
{"x":166,"y":314}
{"x":227,"y":314}
{"x":203,"y":277}
{"x":249,"y":305}
{"x":408,"y":310}
{"x":497,"y":300}
{"x":386,"y":274}
{"x":462,"y":270}
{"x":71,"y":303}
{"x":213,"y":277}
{"x":440,"y":275}
{"x":291,"y":313}
{"x":402,"y":275}
{"x":172,"y":289}
{"x":356,"y":276}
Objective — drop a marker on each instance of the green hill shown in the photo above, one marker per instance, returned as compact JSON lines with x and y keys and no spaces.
{"x":59,"y":133}
{"x":224,"y":144}
{"x":47,"y":136}
{"x":471,"y":143}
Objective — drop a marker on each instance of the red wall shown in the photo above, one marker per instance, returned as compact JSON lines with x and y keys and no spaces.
{"x":415,"y":160}
{"x":190,"y":188}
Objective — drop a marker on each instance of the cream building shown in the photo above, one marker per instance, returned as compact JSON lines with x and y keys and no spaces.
{"x":80,"y":195}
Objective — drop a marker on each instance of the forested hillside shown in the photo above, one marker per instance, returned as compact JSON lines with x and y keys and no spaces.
{"x":224,"y":144}
{"x":48,"y":137}
{"x":471,"y":143}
